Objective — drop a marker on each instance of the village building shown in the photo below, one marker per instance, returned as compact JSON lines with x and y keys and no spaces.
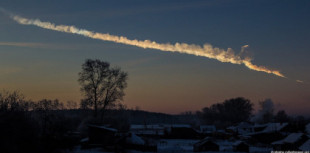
{"x":267,"y":133}
{"x":101,"y":135}
{"x":178,"y":131}
{"x":274,"y":127}
{"x":206,"y":145}
{"x":292,"y":142}
{"x":147,"y":130}
{"x":207,"y":129}
{"x":242,"y":128}
{"x":131,"y":141}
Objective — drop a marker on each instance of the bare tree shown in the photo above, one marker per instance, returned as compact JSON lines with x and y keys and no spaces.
{"x":13,"y":101}
{"x":71,"y":105}
{"x":102,"y":86}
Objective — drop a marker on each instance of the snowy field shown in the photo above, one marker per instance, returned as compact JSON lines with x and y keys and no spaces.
{"x":177,"y":146}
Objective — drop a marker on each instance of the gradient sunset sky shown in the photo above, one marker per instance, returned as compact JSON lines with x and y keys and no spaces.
{"x":42,"y":63}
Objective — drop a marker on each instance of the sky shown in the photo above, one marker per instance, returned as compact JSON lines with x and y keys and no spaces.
{"x":43,"y":63}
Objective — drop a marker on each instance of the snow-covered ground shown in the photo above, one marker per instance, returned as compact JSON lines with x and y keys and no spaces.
{"x":186,"y":146}
{"x":260,"y":150}
{"x":92,"y":150}
{"x":176,"y":145}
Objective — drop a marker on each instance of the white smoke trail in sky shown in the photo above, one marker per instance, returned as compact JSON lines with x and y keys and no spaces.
{"x":206,"y":50}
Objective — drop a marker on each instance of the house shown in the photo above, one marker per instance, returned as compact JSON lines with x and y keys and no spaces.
{"x":147,"y":130}
{"x":180,"y":132}
{"x":274,"y":127}
{"x":222,"y":134}
{"x":164,"y":130}
{"x":268,"y":128}
{"x":206,"y":145}
{"x":168,"y":127}
{"x":240,"y":146}
{"x":242,"y":128}
{"x":292,"y":142}
{"x":207,"y":129}
{"x":267,"y":133}
{"x":101,"y":135}
{"x":131,"y":141}
{"x":245,"y":128}
{"x":259,"y":127}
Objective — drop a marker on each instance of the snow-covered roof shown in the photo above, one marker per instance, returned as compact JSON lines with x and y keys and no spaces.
{"x":149,"y":126}
{"x":291,"y":138}
{"x":153,"y":129}
{"x":237,"y":143}
{"x":134,"y":139}
{"x":271,"y":127}
{"x":158,"y":126}
{"x":305,"y":146}
{"x":84,"y":140}
{"x":149,"y":132}
{"x":103,"y":127}
{"x":178,"y":125}
{"x":242,"y":128}
{"x":207,"y":128}
{"x":232,"y":128}
{"x":201,"y":142}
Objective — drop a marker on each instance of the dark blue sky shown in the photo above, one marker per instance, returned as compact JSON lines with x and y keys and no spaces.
{"x":276,"y":31}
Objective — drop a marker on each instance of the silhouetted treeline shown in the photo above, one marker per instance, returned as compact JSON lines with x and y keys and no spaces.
{"x":48,"y":126}
{"x":236,"y":110}
{"x":28,"y":126}
{"x":229,"y":112}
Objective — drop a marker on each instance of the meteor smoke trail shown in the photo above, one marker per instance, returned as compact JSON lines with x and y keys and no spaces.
{"x":206,"y":50}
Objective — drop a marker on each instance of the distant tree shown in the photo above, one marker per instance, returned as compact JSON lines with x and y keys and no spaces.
{"x":48,"y":105}
{"x":27,"y":126}
{"x":102,"y":85}
{"x":137,"y":108}
{"x":16,"y":124}
{"x":266,"y":111}
{"x":187,"y":113}
{"x":281,"y":117}
{"x":121,"y":107}
{"x":228,"y":112}
{"x":85,"y":104}
{"x":238,"y":109}
{"x":71,"y":105}
{"x":45,"y":108}
{"x":13,"y":101}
